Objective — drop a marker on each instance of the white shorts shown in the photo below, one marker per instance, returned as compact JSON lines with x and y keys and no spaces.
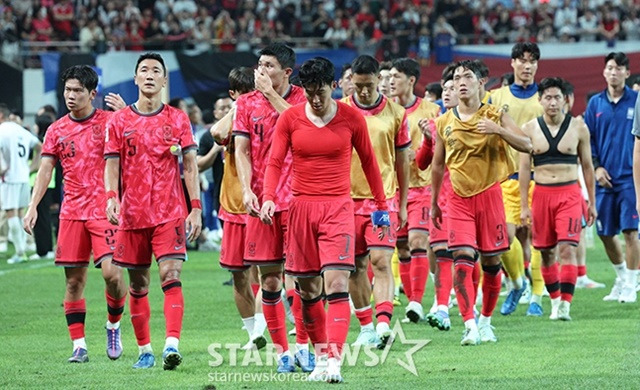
{"x":14,"y":195}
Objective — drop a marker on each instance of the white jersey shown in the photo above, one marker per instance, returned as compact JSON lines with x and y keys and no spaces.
{"x":15,"y":144}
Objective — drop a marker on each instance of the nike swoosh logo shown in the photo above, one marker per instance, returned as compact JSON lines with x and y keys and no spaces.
{"x":63,"y":137}
{"x":598,"y":114}
{"x":498,"y":243}
{"x":113,"y":248}
{"x":256,"y":118}
{"x":571,"y":234}
{"x":177,"y":247}
{"x":339,"y":319}
{"x":128,"y":133}
{"x":423,"y":222}
{"x":341,"y":257}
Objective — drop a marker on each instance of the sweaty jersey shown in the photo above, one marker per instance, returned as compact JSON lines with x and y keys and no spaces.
{"x":322,"y":155}
{"x":79,"y":146}
{"x":420,"y":109}
{"x":388,"y":131}
{"x":475,"y":161}
{"x":255,"y":119}
{"x":15,"y":146}
{"x":152,"y":191}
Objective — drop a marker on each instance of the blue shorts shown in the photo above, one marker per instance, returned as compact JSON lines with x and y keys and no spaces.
{"x":616,"y":211}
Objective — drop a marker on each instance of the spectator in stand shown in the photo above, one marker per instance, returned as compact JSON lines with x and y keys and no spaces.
{"x":566,"y":19}
{"x":503,"y":27}
{"x":609,"y":28}
{"x":62,"y":15}
{"x":588,"y":26}
{"x":337,"y":34}
{"x":92,"y":38}
{"x":41,"y":26}
{"x":135,"y":37}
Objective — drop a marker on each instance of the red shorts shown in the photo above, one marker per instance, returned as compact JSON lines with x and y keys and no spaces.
{"x":478,"y":222}
{"x":324,"y":236}
{"x":232,"y":251}
{"x":417,"y":214}
{"x":367,"y":239}
{"x":76,"y":240}
{"x":266,"y":244}
{"x":556,"y":213}
{"x":439,"y":237}
{"x":165,"y":241}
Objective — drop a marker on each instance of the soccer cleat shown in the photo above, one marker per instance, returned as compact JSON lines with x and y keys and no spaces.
{"x":114,"y":344}
{"x":486,"y":333}
{"x":534,"y":310}
{"x":396,"y":300}
{"x":470,"y":337}
{"x":563,"y":311}
{"x":286,"y":364}
{"x":305,"y":360}
{"x":628,"y":294}
{"x":615,"y":291}
{"x":259,"y":341}
{"x":171,"y":358}
{"x":555,"y":305}
{"x":292,"y":332}
{"x":385,"y":336}
{"x":333,"y":371}
{"x":526,"y":296}
{"x":367,"y":337}
{"x":15,"y":259}
{"x":440,"y":320}
{"x":319,"y":373}
{"x":586,"y":282}
{"x":511,"y":303}
{"x":80,"y":355}
{"x":414,"y":312}
{"x":146,"y":360}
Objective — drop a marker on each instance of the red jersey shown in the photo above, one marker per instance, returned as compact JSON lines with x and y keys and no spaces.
{"x":322,"y":155}
{"x":79,"y":145}
{"x":150,"y":177}
{"x":256,"y":118}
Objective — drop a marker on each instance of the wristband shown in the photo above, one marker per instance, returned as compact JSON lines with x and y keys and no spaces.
{"x":380,"y":218}
{"x":111,"y":194}
{"x":196,"y":204}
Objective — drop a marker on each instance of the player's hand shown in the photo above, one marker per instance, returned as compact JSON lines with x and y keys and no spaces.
{"x":251,"y":203}
{"x":114,"y":101}
{"x":486,"y":126}
{"x":113,"y":211}
{"x":29,"y":220}
{"x":592,"y":215}
{"x":402,"y":217}
{"x":436,"y":216}
{"x":525,"y":217}
{"x":262,"y":81}
{"x":381,"y":223}
{"x":194,"y":224}
{"x":427,"y":128}
{"x":603,"y":178}
{"x":266,"y":214}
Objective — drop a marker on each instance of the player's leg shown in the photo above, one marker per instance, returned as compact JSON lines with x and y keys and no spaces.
{"x":608,"y":227}
{"x":383,"y":293}
{"x":245,"y":303}
{"x":17,"y":236}
{"x":568,"y":276}
{"x":443,"y":282}
{"x":338,"y":315}
{"x":359,"y":286}
{"x":404,"y":262}
{"x":551,"y":274}
{"x":75,"y":311}
{"x":418,"y":242}
{"x":316,"y":326}
{"x":584,"y":281}
{"x":629,"y":225}
{"x":512,"y":260}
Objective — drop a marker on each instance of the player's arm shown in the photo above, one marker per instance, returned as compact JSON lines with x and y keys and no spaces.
{"x":279,"y":146}
{"x":584,"y":153}
{"x":221,"y":130}
{"x":191,"y":181}
{"x":424,"y":154}
{"x":264,"y":84}
{"x":211,"y":151}
{"x":636,"y":152}
{"x":43,"y":178}
{"x":402,"y":174}
{"x":601,"y":174}
{"x":524,"y":176}
{"x":437,"y":174}
{"x":111,"y":177}
{"x":243,"y":166}
{"x":508,"y":131}
{"x":35,"y":160}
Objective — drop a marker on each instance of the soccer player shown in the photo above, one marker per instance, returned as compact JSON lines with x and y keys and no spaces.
{"x":472,"y":141}
{"x":520,"y":101}
{"x":556,"y":212}
{"x":610,"y":116}
{"x":234,"y":215}
{"x":413,"y":239}
{"x":142,"y":145}
{"x":388,"y":131}
{"x":322,"y":134}
{"x":16,"y":143}
{"x":253,"y":127}
{"x":384,"y":87}
{"x":344,"y":83}
{"x":77,"y":142}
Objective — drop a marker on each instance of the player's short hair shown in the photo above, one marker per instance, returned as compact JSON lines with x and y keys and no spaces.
{"x":43,"y":121}
{"x":175,"y":102}
{"x":295,"y":80}
{"x":50,"y":109}
{"x":568,"y":88}
{"x":284,"y":54}
{"x":241,"y":79}
{"x":552,"y":82}
{"x":365,"y":64}
{"x":151,"y":56}
{"x":435,"y":89}
{"x":345,"y":68}
{"x":386,"y":65}
{"x":619,"y":57}
{"x":447,"y":73}
{"x":483,"y":68}
{"x":85,"y":74}
{"x":508,"y":77}
{"x":520,"y":48}
{"x":316,"y":72}
{"x":408,"y":66}
{"x":469,"y":65}
{"x":5,"y":111}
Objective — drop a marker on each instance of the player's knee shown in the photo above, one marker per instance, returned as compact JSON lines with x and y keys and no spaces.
{"x":567,"y":254}
{"x":337,"y":285}
{"x":75,"y":285}
{"x":418,"y":242}
{"x":380,"y":265}
{"x":272,"y":282}
{"x":113,"y":278}
{"x":630,"y":237}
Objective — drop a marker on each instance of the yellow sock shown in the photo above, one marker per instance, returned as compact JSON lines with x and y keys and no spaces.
{"x":513,"y":260}
{"x":536,"y":272}
{"x":395,"y":268}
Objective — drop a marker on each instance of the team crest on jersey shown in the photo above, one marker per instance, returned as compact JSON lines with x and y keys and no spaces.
{"x":447,"y":131}
{"x":504,"y":108}
{"x":167,"y":133}
{"x":97,"y":132}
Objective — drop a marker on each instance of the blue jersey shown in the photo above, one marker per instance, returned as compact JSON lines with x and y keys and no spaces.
{"x":610,"y":126}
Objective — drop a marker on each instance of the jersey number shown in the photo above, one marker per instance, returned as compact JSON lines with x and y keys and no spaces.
{"x":258,"y":130}
{"x":108,"y":236}
{"x":22,"y":151}
{"x":131,"y":148}
{"x":68,"y":149}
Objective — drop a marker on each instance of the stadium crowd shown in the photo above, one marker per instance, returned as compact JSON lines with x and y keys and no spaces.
{"x":388,"y":28}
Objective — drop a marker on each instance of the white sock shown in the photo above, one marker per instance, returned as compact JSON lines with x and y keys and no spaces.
{"x":111,"y":325}
{"x":517,"y":284}
{"x":484,"y":320}
{"x":19,"y":242}
{"x":368,"y":326}
{"x":285,"y":353}
{"x":536,"y":298}
{"x":249,"y":324}
{"x":260,"y":323}
{"x":632,"y":277}
{"x":302,"y":346}
{"x":79,"y":343}
{"x":171,"y":342}
{"x":444,"y":308}
{"x":470,"y":324}
{"x":144,"y":349}
{"x":621,"y":270}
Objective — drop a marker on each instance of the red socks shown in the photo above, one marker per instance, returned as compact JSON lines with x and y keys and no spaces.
{"x":364,"y":315}
{"x":140,"y":314}
{"x":568,"y":277}
{"x":173,"y":307}
{"x":75,"y":312}
{"x":338,"y":317}
{"x":551,"y":276}
{"x":443,"y":277}
{"x":115,"y":307}
{"x":404,"y":266}
{"x":274,"y":315}
{"x":463,"y":284}
{"x":384,"y":311}
{"x":314,"y":317}
{"x":582,"y":270}
{"x":296,"y":309}
{"x":490,"y":288}
{"x":419,"y":274}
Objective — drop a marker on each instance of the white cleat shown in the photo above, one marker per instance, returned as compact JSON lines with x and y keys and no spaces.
{"x":15,"y":259}
{"x":486,"y":333}
{"x":385,"y":335}
{"x":525,"y":299}
{"x":333,"y":371}
{"x":555,"y":305}
{"x":319,"y":373}
{"x":414,"y":312}
{"x":614,"y":295}
{"x":367,"y":337}
{"x":628,"y":294}
{"x":563,"y":311}
{"x":471,"y":336}
{"x":586,"y":282}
